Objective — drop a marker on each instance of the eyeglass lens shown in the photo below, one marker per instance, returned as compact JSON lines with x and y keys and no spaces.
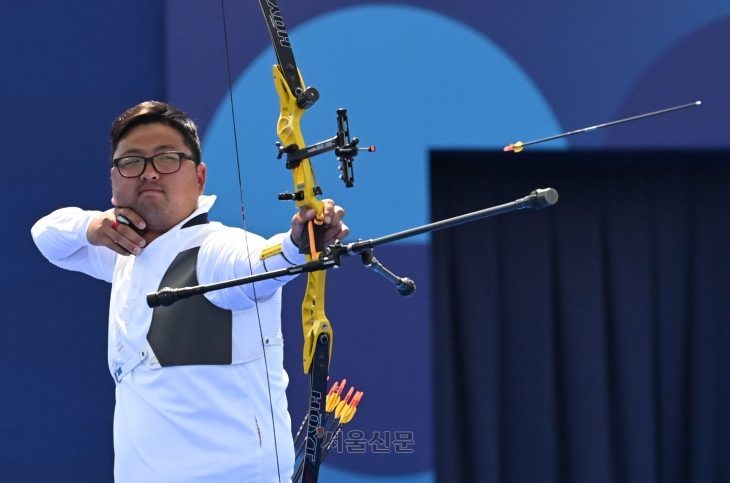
{"x":164,"y":163}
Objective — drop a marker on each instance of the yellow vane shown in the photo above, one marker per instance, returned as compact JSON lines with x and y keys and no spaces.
{"x":516,"y":147}
{"x":341,"y":406}
{"x":333,"y":398}
{"x":351,"y":409}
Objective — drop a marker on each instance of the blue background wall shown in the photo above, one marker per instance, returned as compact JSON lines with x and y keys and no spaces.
{"x":414,"y":75}
{"x":67,"y":70}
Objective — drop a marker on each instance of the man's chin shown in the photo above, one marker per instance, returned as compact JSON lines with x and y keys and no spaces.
{"x":150,"y":209}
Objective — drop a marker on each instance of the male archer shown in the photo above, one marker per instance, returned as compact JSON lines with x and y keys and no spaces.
{"x":197,"y":382}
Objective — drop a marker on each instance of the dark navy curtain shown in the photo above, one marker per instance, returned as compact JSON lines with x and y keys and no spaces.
{"x":590,"y":341}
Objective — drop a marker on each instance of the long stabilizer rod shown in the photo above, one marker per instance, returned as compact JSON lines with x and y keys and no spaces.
{"x":538,"y":199}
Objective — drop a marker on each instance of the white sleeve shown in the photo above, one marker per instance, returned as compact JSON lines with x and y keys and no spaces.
{"x":61,"y":238}
{"x":224,"y":255}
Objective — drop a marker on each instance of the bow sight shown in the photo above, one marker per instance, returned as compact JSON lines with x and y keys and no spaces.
{"x":344,"y":148}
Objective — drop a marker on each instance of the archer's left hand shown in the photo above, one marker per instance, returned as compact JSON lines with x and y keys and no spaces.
{"x":335,"y":229}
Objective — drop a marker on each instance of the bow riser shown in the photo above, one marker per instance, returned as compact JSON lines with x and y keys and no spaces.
{"x":314,"y":320}
{"x":289,"y":132}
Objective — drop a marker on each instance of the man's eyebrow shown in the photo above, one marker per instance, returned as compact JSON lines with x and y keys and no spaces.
{"x":158,"y":149}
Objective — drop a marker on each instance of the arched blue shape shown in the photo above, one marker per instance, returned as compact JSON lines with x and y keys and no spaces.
{"x":411,"y":79}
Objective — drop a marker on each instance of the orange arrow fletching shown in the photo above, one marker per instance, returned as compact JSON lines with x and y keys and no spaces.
{"x":333,"y":397}
{"x":349,"y":412}
{"x":348,"y":415}
{"x":340,"y":407}
{"x":344,"y":404}
{"x":332,"y":402}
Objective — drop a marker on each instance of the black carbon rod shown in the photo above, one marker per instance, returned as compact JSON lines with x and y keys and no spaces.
{"x":519,"y":145}
{"x":538,"y":199}
{"x":168,"y":296}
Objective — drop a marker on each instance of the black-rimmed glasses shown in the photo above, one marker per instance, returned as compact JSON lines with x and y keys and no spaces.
{"x":164,"y":163}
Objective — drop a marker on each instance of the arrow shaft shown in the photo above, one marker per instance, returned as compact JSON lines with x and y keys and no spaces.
{"x":613,"y":123}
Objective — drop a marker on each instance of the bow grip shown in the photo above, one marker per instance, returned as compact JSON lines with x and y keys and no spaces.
{"x":317,"y":231}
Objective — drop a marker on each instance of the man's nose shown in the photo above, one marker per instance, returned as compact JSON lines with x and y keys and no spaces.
{"x":149,"y":173}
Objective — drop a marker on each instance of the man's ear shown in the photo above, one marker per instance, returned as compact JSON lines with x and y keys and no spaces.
{"x":201,"y":173}
{"x":114,"y":202}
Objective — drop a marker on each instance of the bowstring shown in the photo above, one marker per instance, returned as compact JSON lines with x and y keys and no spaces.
{"x":245,"y":233}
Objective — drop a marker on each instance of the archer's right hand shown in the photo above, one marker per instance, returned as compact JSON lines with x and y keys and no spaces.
{"x":104,"y":230}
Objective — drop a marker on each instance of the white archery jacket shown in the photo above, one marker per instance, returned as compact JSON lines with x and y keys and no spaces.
{"x":192,"y":402}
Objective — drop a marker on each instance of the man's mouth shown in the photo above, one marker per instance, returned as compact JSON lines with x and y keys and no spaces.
{"x":149,"y":189}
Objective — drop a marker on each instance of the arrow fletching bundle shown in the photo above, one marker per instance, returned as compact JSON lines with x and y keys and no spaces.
{"x":343,"y":411}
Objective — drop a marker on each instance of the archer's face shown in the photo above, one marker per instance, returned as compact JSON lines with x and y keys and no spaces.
{"x":162,"y":200}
